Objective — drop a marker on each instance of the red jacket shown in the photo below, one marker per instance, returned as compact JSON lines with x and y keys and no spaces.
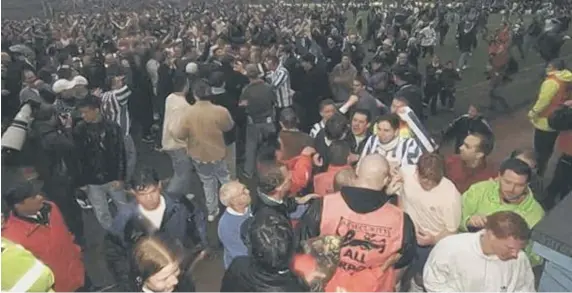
{"x":300,"y":168}
{"x":464,"y":177}
{"x":324,"y":182}
{"x":52,"y":244}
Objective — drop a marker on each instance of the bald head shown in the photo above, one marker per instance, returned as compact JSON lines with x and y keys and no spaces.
{"x":372,"y":172}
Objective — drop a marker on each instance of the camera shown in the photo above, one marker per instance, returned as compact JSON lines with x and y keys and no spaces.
{"x":15,"y":135}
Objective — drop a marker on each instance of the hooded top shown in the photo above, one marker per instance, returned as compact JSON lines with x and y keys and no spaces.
{"x":548,"y":91}
{"x":361,"y":201}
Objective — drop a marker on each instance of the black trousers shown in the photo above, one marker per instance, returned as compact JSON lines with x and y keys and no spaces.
{"x":543,"y":147}
{"x":561,"y":184}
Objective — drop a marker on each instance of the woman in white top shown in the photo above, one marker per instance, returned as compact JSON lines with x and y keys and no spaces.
{"x":490,"y":260}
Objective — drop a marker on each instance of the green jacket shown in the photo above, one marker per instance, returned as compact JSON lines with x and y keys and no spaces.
{"x":483,"y":199}
{"x":22,"y":271}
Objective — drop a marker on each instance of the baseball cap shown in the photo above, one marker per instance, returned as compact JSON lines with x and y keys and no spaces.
{"x":62,"y":85}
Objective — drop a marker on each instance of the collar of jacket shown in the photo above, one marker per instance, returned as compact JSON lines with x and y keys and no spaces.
{"x":267,"y":200}
{"x":218,"y":90}
{"x":44,"y":214}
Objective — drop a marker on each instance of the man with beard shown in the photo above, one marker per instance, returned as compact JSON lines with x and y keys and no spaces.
{"x":364,"y":207}
{"x":509,"y":192}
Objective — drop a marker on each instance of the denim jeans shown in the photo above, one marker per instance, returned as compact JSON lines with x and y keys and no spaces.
{"x":230,"y":159}
{"x":130,"y":155}
{"x":98,"y":196}
{"x":256,"y":134}
{"x":179,"y":185}
{"x":211,"y":174}
{"x":463,"y":60}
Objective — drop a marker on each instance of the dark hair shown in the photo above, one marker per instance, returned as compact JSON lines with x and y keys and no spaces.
{"x":180,"y":82}
{"x":271,"y":241}
{"x":364,"y":112}
{"x":289,"y":118}
{"x":392,"y":119}
{"x":273,"y":59}
{"x":558,"y":64}
{"x":338,"y":153}
{"x":528,"y":153}
{"x":326,"y":102}
{"x":361,"y":80}
{"x":266,"y":154}
{"x":201,"y":89}
{"x":21,"y":191}
{"x":507,"y":224}
{"x":487,"y":142}
{"x":90,"y":101}
{"x":336,"y":127}
{"x":144,"y":178}
{"x":517,"y":166}
{"x":216,"y":79}
{"x":270,"y":179}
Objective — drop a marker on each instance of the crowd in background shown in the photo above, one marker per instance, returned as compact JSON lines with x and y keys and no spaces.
{"x":308,"y":138}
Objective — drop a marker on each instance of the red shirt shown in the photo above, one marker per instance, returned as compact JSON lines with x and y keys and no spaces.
{"x":463,"y":177}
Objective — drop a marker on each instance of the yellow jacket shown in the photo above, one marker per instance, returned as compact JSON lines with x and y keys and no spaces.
{"x":549,"y":89}
{"x":22,"y":271}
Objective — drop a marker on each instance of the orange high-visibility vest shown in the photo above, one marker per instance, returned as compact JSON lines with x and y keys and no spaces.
{"x":369,"y":241}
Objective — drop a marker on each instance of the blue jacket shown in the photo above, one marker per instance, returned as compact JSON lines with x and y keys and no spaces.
{"x":181,"y":222}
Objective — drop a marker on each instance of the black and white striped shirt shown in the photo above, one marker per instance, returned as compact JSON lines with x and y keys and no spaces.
{"x":403,"y":151}
{"x":317,"y":128}
{"x":114,"y":107}
{"x":279,"y":79}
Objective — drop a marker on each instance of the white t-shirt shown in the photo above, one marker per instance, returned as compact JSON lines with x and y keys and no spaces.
{"x":155,"y":216}
{"x":457,"y":263}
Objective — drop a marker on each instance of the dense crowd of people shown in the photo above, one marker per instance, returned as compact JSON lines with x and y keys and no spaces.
{"x":309,"y":140}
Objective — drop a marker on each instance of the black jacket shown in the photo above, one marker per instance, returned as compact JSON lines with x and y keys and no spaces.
{"x":56,"y":147}
{"x":100,"y":151}
{"x":361,"y":201}
{"x":561,"y":119}
{"x":264,"y":202}
{"x":244,"y":275}
{"x":222,"y":98}
{"x":462,"y":126}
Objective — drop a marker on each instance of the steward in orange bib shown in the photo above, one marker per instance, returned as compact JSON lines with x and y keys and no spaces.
{"x":373,"y":230}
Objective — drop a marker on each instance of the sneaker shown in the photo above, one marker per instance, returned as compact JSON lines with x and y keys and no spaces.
{"x":212,"y":217}
{"x":147,"y":139}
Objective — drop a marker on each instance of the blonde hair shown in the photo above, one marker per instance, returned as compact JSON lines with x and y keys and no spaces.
{"x":151,"y":254}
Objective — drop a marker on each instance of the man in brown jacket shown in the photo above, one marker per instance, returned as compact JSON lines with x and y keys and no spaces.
{"x":202,"y":128}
